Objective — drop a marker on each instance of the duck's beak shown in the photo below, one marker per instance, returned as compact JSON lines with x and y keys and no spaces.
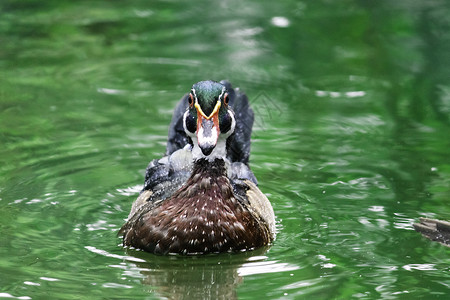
{"x":207,"y":129}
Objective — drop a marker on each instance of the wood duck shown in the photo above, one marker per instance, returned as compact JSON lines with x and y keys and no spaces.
{"x":435,"y":230}
{"x":202,"y":196}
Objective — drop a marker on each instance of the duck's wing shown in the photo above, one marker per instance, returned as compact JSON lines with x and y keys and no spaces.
{"x":163,"y":177}
{"x":177,"y":138}
{"x":245,"y":188}
{"x":238,"y":144}
{"x":160,"y":183}
{"x":435,"y":230}
{"x":250,"y":196}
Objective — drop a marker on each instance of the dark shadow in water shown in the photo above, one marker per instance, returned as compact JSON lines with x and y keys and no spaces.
{"x":414,"y":94}
{"x":415,"y":66}
{"x":434,"y":32}
{"x":414,"y":102}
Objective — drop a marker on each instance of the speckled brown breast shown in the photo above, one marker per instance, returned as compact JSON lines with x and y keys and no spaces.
{"x":201,"y":217}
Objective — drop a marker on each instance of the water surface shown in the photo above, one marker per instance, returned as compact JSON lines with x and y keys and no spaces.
{"x":350,"y":143}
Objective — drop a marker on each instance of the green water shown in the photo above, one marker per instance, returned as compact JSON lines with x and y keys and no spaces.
{"x":351,"y":143}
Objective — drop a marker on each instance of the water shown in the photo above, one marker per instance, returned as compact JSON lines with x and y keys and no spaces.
{"x":350,"y":143}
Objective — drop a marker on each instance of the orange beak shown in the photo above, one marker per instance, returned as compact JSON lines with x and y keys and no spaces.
{"x":207,"y":129}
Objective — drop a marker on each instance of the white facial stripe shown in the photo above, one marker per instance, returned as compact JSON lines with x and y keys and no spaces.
{"x":233,"y":122}
{"x":221,"y":94}
{"x":195,"y":95}
{"x":186,"y":113}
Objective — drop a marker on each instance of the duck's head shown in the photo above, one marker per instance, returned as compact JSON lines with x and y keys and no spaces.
{"x":208,"y":120}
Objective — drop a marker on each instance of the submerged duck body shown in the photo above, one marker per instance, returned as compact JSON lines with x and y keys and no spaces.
{"x":202,"y":196}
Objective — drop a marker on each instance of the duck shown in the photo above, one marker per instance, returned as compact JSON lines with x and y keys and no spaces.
{"x":435,"y":230}
{"x":202,"y":197}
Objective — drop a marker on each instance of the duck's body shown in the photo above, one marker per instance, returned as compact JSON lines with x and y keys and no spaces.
{"x":435,"y":230}
{"x":202,"y":197}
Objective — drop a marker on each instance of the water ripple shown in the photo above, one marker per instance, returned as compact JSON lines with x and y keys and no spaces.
{"x":107,"y":254}
{"x":264,"y":267}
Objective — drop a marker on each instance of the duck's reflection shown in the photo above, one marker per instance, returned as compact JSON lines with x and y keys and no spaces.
{"x":200,"y":277}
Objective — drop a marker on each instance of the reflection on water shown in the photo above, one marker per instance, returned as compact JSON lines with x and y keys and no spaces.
{"x":352,"y":103}
{"x":178,"y":277}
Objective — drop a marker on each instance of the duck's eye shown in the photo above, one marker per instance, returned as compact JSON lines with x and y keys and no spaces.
{"x":191,"y":123}
{"x":191,"y":100}
{"x":225,"y":99}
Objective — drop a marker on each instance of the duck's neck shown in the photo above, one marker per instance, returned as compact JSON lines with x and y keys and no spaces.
{"x":219,"y":152}
{"x":215,"y":168}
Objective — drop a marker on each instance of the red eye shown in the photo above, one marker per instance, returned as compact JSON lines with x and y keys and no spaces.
{"x":191,"y":100}
{"x":225,"y":99}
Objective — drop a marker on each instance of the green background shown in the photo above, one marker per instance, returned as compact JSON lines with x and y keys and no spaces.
{"x":351,"y":143}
